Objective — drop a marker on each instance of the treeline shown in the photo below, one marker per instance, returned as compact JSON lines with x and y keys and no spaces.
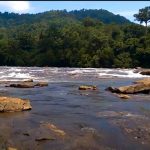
{"x":12,"y":19}
{"x":68,"y":41}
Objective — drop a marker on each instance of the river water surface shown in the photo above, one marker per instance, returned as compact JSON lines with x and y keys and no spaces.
{"x":92,"y":120}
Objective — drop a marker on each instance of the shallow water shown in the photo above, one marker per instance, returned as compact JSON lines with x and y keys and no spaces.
{"x":71,"y":110}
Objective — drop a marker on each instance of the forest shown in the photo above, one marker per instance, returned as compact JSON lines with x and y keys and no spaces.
{"x":79,"y":38}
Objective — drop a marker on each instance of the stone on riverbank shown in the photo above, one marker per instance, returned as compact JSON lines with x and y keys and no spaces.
{"x":10,"y":104}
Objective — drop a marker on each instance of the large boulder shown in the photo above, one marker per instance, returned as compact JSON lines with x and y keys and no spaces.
{"x":144,"y":81}
{"x":28,"y":84}
{"x":131,"y":89}
{"x":145,"y":72}
{"x":23,"y":85}
{"x":10,"y":104}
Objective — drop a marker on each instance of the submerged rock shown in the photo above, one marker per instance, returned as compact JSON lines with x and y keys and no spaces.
{"x":9,"y":104}
{"x":121,"y":114}
{"x":87,"y":87}
{"x":55,"y":129}
{"x":89,"y":129}
{"x":123,"y":96}
{"x":109,"y":114}
{"x":136,"y":128}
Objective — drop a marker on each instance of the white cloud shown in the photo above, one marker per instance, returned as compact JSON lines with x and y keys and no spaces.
{"x":16,"y":6}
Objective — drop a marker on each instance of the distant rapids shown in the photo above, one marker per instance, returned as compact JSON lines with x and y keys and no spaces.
{"x":52,"y":74}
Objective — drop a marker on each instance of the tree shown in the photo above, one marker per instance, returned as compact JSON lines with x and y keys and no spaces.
{"x":123,"y":60}
{"x":143,"y":16}
{"x":73,"y":39}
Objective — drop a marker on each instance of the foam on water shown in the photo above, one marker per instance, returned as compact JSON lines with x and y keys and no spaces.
{"x":20,"y":75}
{"x":77,"y":71}
{"x":120,"y":73}
{"x":13,"y":75}
{"x":63,"y":74}
{"x":14,"y":69}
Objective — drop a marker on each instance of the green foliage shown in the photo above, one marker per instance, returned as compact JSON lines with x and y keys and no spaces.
{"x":102,"y":15}
{"x":123,"y":60}
{"x":143,"y":16}
{"x":85,"y":38}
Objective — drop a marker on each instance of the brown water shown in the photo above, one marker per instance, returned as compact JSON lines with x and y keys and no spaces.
{"x":92,"y":120}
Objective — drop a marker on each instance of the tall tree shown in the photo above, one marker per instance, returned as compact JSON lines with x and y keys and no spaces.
{"x":143,"y":16}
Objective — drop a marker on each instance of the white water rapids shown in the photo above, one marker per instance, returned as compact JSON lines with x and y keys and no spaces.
{"x":63,"y":74}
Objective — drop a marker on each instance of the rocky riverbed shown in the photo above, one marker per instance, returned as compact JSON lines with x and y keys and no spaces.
{"x":75,"y":114}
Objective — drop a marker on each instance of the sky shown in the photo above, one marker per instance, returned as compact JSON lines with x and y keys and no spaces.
{"x":124,"y":8}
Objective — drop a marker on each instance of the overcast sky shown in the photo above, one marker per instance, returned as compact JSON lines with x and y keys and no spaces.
{"x":124,"y":8}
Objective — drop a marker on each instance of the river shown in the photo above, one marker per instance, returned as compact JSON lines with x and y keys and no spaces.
{"x":92,"y":120}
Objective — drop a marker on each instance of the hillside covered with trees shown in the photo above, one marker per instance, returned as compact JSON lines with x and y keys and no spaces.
{"x":84,"y":38}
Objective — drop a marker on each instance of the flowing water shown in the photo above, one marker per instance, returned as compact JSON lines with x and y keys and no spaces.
{"x":64,"y":74}
{"x":92,"y":120}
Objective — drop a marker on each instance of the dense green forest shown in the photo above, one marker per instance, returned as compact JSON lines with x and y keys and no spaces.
{"x":83,"y":38}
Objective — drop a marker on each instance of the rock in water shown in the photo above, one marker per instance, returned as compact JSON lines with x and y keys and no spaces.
{"x":41,"y":84}
{"x":23,"y":85}
{"x":141,"y":87}
{"x":137,"y":88}
{"x":87,"y":87}
{"x":9,"y":104}
{"x":123,"y":96}
{"x":111,"y":89}
{"x":145,"y":72}
{"x":29,"y":80}
{"x":55,"y":129}
{"x":131,"y":89}
{"x":143,"y":81}
{"x":44,"y":138}
{"x":28,"y":84}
